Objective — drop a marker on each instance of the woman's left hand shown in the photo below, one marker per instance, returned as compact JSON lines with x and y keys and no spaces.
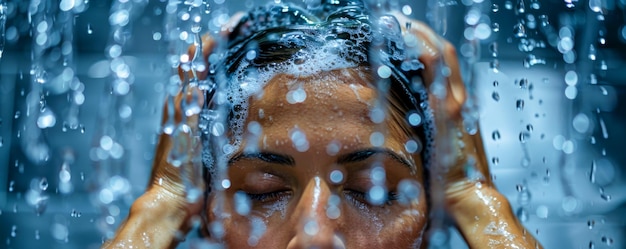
{"x":482,"y":214}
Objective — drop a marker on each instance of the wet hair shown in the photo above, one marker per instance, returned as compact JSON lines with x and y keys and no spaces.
{"x":336,"y":34}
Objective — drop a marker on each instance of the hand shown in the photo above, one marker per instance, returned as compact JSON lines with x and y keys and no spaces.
{"x":162,"y":215}
{"x":460,"y":170}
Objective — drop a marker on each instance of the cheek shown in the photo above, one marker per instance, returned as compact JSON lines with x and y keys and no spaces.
{"x":407,"y":226}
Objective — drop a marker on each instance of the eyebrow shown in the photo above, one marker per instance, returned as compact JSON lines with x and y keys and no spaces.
{"x":268,"y":157}
{"x":352,"y":157}
{"x":362,"y":155}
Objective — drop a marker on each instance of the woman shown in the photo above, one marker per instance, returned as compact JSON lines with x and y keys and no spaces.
{"x":330,"y":141}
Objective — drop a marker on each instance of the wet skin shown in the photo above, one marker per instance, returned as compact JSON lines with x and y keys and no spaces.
{"x":290,"y":189}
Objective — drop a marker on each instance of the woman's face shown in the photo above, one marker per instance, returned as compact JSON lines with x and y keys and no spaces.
{"x":311,"y":175}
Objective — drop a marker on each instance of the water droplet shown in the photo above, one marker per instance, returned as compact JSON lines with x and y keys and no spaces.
{"x":519,"y":30}
{"x":493,"y":48}
{"x":519,"y":104}
{"x":495,"y":135}
{"x":495,"y":96}
{"x":495,"y":160}
{"x":408,"y":191}
{"x":336,"y":176}
{"x":591,"y":224}
{"x":89,"y":29}
{"x":522,"y":214}
{"x":495,"y":83}
{"x":243,"y":204}
{"x":508,"y":5}
{"x":532,"y":60}
{"x":495,"y":8}
{"x":534,"y":4}
{"x":524,"y":136}
{"x":607,"y":240}
{"x":542,"y":211}
{"x":43,"y":184}
{"x":521,"y":7}
{"x":494,"y":65}
{"x":495,"y":27}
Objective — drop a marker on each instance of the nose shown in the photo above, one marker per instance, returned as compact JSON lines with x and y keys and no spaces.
{"x":315,"y":229}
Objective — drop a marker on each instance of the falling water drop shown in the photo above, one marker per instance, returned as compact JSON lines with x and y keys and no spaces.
{"x":534,"y":4}
{"x":89,"y":29}
{"x":524,"y":136}
{"x":495,"y":8}
{"x":495,"y":27}
{"x":519,"y":104}
{"x":43,"y":184}
{"x":522,"y":214}
{"x":607,"y":240}
{"x":495,"y":135}
{"x":493,"y":48}
{"x":521,"y":7}
{"x":591,"y":224}
{"x":495,"y":96}
{"x":494,"y":65}
{"x":519,"y":30}
{"x":523,"y":83}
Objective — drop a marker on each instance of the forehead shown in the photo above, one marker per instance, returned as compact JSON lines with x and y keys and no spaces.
{"x":317,"y":101}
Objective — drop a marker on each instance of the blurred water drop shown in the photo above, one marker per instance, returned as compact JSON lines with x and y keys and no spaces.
{"x":519,"y":30}
{"x":542,"y":211}
{"x":521,"y":7}
{"x":494,"y":65}
{"x":607,"y":240}
{"x":523,"y":83}
{"x":493,"y":48}
{"x":534,"y":4}
{"x":46,"y":119}
{"x":495,"y":83}
{"x":495,"y":135}
{"x":495,"y":27}
{"x":89,"y":30}
{"x":532,"y":60}
{"x":508,"y":5}
{"x":495,"y":160}
{"x":408,"y":191}
{"x":519,"y":104}
{"x":592,"y":245}
{"x":242,"y":203}
{"x":605,"y":132}
{"x":591,"y":224}
{"x":529,"y":127}
{"x":524,"y":136}
{"x":13,"y":231}
{"x":495,"y":8}
{"x":43,"y":184}
{"x":522,"y":214}
{"x":495,"y":96}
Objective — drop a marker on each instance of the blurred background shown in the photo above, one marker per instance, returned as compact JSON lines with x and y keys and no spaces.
{"x":82,"y":84}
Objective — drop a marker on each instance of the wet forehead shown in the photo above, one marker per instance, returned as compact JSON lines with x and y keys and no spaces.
{"x":315,"y":101}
